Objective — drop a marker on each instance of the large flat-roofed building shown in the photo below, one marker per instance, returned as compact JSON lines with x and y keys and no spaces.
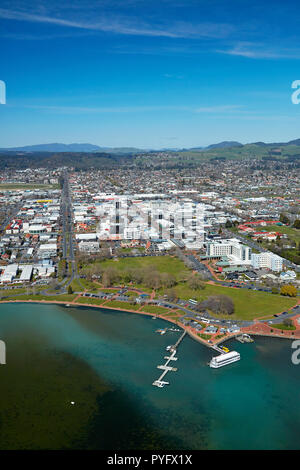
{"x":37,"y":228}
{"x":237,"y":252}
{"x":26,"y":272}
{"x":9,"y":273}
{"x":47,"y":250}
{"x":86,"y":237}
{"x":266,"y":260}
{"x":89,"y":247}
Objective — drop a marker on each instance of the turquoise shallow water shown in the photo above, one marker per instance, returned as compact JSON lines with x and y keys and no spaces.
{"x":106,"y":361}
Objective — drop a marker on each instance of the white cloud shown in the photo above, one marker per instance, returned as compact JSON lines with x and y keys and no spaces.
{"x":218,"y":109}
{"x":124,"y":25}
{"x":130,"y":109}
{"x":260,"y":51}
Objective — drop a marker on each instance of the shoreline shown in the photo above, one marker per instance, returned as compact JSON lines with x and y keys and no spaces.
{"x":191,"y":333}
{"x":75,"y":304}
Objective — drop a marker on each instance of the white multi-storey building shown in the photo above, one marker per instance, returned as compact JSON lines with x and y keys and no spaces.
{"x":232,"y":248}
{"x":266,"y":260}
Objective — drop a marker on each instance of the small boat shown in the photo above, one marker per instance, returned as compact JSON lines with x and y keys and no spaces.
{"x":162,"y":332}
{"x":68,"y":305}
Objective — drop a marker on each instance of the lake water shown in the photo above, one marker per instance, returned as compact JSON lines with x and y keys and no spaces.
{"x":105,"y":361}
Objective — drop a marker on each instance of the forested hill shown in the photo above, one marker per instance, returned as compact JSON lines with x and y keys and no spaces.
{"x":281,"y":153}
{"x":20,"y":160}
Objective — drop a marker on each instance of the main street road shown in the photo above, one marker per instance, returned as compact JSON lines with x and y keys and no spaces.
{"x":68,"y":247}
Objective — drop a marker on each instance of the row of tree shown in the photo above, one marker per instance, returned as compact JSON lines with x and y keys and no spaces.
{"x":148,"y":276}
{"x":218,"y":304}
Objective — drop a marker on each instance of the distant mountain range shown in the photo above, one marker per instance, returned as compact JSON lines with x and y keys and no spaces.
{"x":90,"y":148}
{"x":57,"y":147}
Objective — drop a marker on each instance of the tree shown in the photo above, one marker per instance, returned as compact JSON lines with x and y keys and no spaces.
{"x":110,"y":276}
{"x":288,"y":290}
{"x":70,"y":290}
{"x":54,"y":284}
{"x":288,"y":322}
{"x":135,"y":275}
{"x":194,"y":282}
{"x":284,"y":219}
{"x":275,"y":290}
{"x":218,"y":304}
{"x":228,"y":224}
{"x":167,"y":280}
{"x":152,"y":280}
{"x":171,"y":295}
{"x":297,"y":224}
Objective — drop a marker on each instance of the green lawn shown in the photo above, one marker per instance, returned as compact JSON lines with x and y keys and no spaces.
{"x":6,"y":292}
{"x":248,"y":304}
{"x":108,"y":291}
{"x":90,"y":300}
{"x":163,"y":264}
{"x":59,"y":297}
{"x":204,"y":336}
{"x":89,"y":285}
{"x":119,"y":304}
{"x":282,"y":326}
{"x":154,"y":309}
{"x":147,"y":290}
{"x":291,"y":232}
{"x":76,"y":286}
{"x":173,"y":315}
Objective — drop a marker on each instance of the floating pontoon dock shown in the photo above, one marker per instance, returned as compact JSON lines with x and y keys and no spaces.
{"x":165,"y":367}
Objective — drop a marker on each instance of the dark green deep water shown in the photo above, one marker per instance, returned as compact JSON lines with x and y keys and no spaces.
{"x":106,"y":361}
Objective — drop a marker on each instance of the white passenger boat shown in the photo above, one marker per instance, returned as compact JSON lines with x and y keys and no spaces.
{"x":224,"y":359}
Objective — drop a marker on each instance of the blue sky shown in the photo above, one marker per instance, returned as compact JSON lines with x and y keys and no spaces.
{"x":148,"y":73}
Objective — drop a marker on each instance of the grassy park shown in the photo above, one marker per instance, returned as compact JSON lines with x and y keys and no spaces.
{"x":248,"y":304}
{"x":163,"y":264}
{"x":291,"y":232}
